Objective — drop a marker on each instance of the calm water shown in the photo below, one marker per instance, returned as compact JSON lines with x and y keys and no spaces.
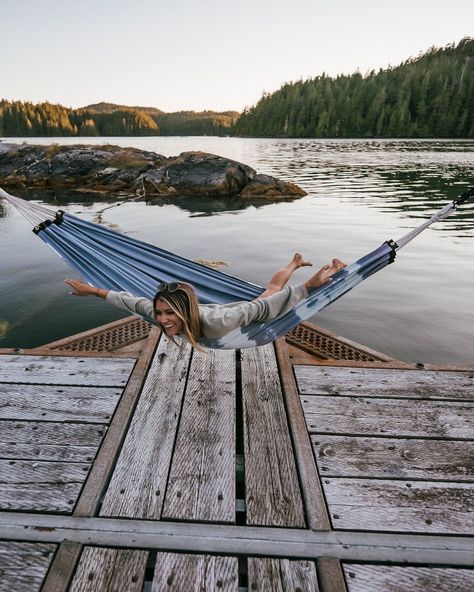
{"x":360,"y":194}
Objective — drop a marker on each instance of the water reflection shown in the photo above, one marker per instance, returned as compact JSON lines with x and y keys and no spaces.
{"x":413,"y":177}
{"x":211,"y":206}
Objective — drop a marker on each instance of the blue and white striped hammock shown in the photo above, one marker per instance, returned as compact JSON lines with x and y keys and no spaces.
{"x":108,"y":259}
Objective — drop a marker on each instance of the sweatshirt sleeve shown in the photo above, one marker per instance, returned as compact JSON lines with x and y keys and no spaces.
{"x":133,"y":304}
{"x":218,"y":320}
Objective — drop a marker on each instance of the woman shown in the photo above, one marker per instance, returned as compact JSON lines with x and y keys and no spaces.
{"x":177,"y":311}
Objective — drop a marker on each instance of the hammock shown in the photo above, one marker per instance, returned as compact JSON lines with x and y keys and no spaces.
{"x":111,"y":260}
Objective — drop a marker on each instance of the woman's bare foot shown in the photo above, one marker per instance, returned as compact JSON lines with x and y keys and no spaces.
{"x":299,"y":261}
{"x":323,"y":276}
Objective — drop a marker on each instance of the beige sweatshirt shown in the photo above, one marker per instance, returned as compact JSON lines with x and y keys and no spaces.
{"x":219,"y":319}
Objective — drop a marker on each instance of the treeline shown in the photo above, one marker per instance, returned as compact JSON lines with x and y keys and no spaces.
{"x":19,"y":119}
{"x":428,"y":96}
{"x":189,"y":123}
{"x":44,"y":119}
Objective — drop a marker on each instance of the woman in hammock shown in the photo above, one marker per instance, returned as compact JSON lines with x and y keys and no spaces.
{"x":177,"y":311}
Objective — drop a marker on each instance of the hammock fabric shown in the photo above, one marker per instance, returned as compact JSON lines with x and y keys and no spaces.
{"x":114,"y":261}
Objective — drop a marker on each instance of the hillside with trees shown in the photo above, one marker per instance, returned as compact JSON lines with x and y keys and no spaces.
{"x":431,"y":95}
{"x":22,"y":119}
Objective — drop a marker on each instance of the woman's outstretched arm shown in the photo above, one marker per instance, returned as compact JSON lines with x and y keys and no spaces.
{"x":82,"y":289}
{"x":123,"y":300}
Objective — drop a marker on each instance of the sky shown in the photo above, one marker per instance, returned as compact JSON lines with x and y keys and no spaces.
{"x":207,"y":54}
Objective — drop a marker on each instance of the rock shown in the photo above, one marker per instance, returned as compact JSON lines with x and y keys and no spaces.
{"x":199,"y":173}
{"x":266,"y":186}
{"x":128,"y":171}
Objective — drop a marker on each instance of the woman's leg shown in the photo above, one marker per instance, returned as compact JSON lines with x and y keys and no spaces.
{"x":280,"y":278}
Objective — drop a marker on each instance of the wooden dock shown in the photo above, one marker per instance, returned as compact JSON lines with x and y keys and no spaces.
{"x":129,"y":464}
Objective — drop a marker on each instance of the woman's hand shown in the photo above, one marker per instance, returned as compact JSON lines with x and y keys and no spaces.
{"x":81,"y":288}
{"x":323,"y":276}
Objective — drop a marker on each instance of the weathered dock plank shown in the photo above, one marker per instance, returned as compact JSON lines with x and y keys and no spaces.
{"x":23,"y":566}
{"x":138,"y":483}
{"x":281,"y":575}
{"x":230,"y":539}
{"x":52,"y":403}
{"x":272,"y":491}
{"x":314,"y":503}
{"x":404,"y":506}
{"x":384,"y":417}
{"x":40,"y":486}
{"x":378,"y":382}
{"x":200,"y":573}
{"x":35,"y":440}
{"x":65,"y":370}
{"x":27,"y":471}
{"x":394,"y":458}
{"x":110,"y":570}
{"x":375,"y":578}
{"x":201,"y":484}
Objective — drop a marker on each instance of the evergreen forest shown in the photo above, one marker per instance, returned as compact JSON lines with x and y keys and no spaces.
{"x":19,"y":119}
{"x":431,"y":95}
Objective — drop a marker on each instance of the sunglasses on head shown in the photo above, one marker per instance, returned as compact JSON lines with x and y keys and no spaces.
{"x":168,"y":287}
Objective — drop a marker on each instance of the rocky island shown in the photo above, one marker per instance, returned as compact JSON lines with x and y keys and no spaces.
{"x":130,"y":171}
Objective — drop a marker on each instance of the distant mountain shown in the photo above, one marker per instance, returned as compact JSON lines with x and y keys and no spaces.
{"x":111,"y":107}
{"x":431,"y":95}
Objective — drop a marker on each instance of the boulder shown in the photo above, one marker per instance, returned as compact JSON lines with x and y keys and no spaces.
{"x":264,"y":186}
{"x":125,"y":171}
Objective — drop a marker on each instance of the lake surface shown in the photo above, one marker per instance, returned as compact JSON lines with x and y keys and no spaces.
{"x":360,"y":193}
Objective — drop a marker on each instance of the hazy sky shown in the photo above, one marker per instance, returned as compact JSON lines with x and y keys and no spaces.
{"x":207,"y":54}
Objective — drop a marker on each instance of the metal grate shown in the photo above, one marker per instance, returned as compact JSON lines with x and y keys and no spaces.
{"x":305,"y":337}
{"x":325,"y":347}
{"x":110,"y":339}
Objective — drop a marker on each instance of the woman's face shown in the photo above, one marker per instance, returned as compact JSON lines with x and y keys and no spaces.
{"x":168,"y":319}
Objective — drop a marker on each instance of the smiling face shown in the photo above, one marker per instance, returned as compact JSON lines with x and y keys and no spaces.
{"x":168,"y":319}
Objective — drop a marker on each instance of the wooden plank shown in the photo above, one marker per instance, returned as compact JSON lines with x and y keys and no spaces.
{"x":67,"y":557}
{"x":139,"y":481}
{"x":62,"y":567}
{"x":27,"y":471}
{"x":281,"y":575}
{"x":102,"y":467}
{"x":314,"y":502}
{"x":394,"y":458}
{"x":39,"y":485}
{"x":65,"y":370}
{"x":31,"y":440}
{"x":272,"y":491}
{"x":55,"y":403}
{"x":375,"y":382}
{"x":199,"y":573}
{"x":42,"y":497}
{"x":424,"y":549}
{"x":405,"y":506}
{"x":330,"y":575}
{"x":110,"y":570}
{"x":375,"y":578}
{"x":384,"y":417}
{"x":201,"y":484}
{"x":23,"y":566}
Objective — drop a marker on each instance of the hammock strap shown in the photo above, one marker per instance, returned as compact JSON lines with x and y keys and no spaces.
{"x":34,"y":213}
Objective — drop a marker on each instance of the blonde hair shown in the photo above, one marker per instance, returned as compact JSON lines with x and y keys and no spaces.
{"x":182,"y":300}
